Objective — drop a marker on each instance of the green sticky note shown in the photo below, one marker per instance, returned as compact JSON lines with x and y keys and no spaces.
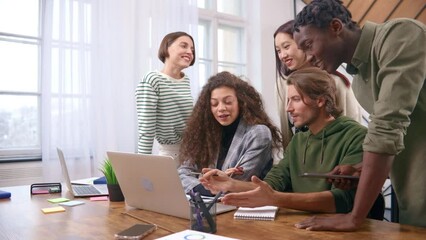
{"x":58,"y":200}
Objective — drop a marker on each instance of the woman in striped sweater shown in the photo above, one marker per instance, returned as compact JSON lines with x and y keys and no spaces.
{"x":163,"y":98}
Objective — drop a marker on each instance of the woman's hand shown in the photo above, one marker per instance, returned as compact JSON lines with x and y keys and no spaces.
{"x":234,"y":171}
{"x":215,"y":180}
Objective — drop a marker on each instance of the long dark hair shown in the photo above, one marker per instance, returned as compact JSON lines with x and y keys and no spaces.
{"x":281,"y":68}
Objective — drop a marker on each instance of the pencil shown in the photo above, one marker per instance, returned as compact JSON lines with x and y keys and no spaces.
{"x":236,"y":165}
{"x":220,"y":193}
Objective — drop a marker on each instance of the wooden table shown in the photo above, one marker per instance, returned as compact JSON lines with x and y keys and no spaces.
{"x":21,"y":218}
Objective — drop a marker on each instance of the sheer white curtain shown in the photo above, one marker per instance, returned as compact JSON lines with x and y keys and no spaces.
{"x":93,"y":55}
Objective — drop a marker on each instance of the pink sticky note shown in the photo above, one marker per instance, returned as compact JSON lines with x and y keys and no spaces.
{"x":40,"y":191}
{"x":102,"y":198}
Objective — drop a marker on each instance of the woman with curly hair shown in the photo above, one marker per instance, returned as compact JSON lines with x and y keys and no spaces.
{"x":228,"y":125}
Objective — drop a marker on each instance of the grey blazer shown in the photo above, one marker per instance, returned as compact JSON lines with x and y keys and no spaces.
{"x":253,"y":144}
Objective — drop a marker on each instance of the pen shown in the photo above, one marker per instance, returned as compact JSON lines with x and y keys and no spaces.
{"x":199,"y":173}
{"x":214,"y":200}
{"x":220,"y":193}
{"x":237,"y":165}
{"x":205,"y":212}
{"x":196,"y":173}
{"x":198,"y":217}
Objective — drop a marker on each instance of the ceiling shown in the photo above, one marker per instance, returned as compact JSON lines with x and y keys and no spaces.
{"x":381,"y":10}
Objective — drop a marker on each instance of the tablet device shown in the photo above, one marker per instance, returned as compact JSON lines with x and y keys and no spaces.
{"x":325,"y":175}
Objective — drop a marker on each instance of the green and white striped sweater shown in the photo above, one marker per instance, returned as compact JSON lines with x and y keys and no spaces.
{"x":163,"y":106}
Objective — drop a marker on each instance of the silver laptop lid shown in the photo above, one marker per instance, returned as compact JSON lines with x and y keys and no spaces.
{"x":100,"y":189}
{"x":64,"y":169}
{"x":150,"y":182}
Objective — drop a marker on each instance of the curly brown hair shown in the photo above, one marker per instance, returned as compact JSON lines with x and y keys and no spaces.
{"x":202,"y":136}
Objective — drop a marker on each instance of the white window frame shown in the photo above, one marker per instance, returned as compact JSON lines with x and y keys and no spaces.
{"x":7,"y":155}
{"x":214,"y":20}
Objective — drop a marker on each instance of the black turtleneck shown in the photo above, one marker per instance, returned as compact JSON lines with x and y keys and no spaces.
{"x":228,"y":133}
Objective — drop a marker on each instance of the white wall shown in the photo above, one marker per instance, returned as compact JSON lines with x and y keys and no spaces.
{"x":269,"y":15}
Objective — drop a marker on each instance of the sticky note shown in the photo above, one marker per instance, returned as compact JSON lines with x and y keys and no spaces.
{"x":53,"y":209}
{"x":58,"y":200}
{"x":40,"y":191}
{"x":71,"y":203}
{"x":102,"y":198}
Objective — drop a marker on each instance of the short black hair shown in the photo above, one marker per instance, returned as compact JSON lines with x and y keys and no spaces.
{"x":320,"y":13}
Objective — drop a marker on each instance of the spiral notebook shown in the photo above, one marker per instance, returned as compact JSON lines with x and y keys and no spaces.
{"x":265,"y":213}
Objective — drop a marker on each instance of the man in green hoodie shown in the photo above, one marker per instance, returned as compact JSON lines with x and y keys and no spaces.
{"x":331,"y":140}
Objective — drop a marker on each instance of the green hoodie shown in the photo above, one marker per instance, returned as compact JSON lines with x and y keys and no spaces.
{"x":340,"y":142}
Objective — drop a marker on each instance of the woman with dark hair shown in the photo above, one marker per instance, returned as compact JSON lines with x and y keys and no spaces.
{"x":228,"y":126}
{"x":288,"y":58}
{"x":163,"y":98}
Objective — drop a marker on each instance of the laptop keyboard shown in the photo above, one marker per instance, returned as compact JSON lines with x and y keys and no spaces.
{"x":85,"y":190}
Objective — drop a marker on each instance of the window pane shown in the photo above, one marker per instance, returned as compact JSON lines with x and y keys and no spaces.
{"x":66,"y":76}
{"x":232,"y":7}
{"x":204,"y":71}
{"x":23,"y":15}
{"x":203,"y":40}
{"x":19,"y":122}
{"x":76,"y":19}
{"x":69,"y":110}
{"x":234,"y":69}
{"x":203,"y":4}
{"x":229,"y":44}
{"x":19,"y":67}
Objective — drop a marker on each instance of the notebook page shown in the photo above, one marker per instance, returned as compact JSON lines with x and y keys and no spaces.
{"x":265,"y":213}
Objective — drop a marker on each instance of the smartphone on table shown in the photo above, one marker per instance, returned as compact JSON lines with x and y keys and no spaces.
{"x":135,"y":232}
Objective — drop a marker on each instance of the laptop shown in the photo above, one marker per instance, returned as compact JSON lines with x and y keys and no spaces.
{"x":151,"y":182}
{"x":80,"y":190}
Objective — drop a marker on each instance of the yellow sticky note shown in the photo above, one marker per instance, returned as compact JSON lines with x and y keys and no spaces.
{"x":58,"y":200}
{"x":53,"y":209}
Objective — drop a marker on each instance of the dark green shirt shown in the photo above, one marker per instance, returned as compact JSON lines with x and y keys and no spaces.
{"x":340,"y":142}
